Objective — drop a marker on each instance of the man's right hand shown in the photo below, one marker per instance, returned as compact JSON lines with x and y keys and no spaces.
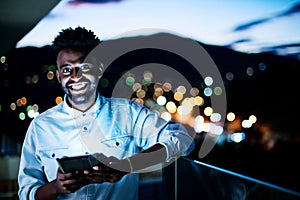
{"x":71,"y":182}
{"x":63,"y":184}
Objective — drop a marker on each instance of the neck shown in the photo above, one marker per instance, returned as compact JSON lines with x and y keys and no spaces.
{"x":84,"y":106}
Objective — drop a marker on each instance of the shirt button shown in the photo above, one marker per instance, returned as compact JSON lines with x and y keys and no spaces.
{"x":83,"y":114}
{"x":85,"y":128}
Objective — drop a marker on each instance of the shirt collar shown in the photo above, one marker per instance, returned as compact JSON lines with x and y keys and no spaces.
{"x":95,"y":108}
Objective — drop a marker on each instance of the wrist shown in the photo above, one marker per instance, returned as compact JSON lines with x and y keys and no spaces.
{"x":130,"y":165}
{"x":47,"y":191}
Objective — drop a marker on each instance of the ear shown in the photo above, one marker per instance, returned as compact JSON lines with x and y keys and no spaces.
{"x":57,"y":76}
{"x":101,"y":69}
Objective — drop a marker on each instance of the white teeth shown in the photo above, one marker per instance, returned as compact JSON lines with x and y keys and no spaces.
{"x":77,"y":86}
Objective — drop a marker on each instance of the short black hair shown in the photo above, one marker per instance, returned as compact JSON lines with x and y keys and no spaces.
{"x":79,"y":38}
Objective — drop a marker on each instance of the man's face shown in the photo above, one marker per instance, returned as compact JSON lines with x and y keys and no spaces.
{"x":78,"y":80}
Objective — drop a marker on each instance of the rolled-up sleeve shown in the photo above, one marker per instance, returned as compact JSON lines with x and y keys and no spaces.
{"x":176,"y":140}
{"x":150,"y":129}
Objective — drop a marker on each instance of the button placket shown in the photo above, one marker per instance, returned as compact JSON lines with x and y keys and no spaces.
{"x":84,"y":123}
{"x":86,"y":118}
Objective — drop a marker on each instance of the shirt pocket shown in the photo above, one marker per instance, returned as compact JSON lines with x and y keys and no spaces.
{"x":48,"y":157}
{"x":118,"y":140}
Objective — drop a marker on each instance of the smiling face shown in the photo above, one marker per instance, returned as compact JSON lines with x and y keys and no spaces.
{"x":78,"y":80}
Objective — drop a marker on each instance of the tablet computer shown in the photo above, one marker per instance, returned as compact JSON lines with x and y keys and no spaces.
{"x":77,"y":163}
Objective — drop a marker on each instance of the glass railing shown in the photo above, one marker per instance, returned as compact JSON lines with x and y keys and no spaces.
{"x":187,"y":179}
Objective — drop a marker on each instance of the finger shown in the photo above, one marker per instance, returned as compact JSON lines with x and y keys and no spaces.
{"x":61,"y":188}
{"x":67,"y":176}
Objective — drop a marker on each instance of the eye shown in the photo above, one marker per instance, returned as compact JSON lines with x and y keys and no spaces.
{"x":85,"y":67}
{"x":66,"y":70}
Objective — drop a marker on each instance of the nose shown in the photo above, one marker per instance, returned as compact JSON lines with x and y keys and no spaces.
{"x":76,"y":72}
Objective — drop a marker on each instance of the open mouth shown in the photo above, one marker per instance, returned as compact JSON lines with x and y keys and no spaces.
{"x":77,"y":86}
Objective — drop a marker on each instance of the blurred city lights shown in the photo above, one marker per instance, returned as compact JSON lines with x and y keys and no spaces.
{"x":35,"y":79}
{"x":229,"y":76}
{"x":218,"y":91}
{"x":171,"y":107}
{"x":13,"y":106}
{"x":215,"y":129}
{"x":194,"y":91}
{"x":161,"y":100}
{"x":199,"y":124}
{"x":208,"y":81}
{"x":181,"y":89}
{"x":182,"y":105}
{"x":230,"y":116}
{"x":167,"y":86}
{"x":22,"y":116}
{"x":252,"y":119}
{"x":237,"y":137}
{"x":58,"y":100}
{"x":208,"y":111}
{"x":136,"y":86}
{"x":207,"y":91}
{"x":2,"y":59}
{"x":246,"y":123}
{"x":250,"y":71}
{"x":215,"y":117}
{"x":178,"y":96}
{"x":130,"y":81}
{"x":166,"y":115}
{"x":50,"y":75}
{"x":104,"y":82}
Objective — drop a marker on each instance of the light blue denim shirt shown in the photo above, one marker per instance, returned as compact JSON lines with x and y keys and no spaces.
{"x":112,"y":126}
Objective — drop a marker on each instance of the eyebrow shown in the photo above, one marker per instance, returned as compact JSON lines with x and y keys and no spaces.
{"x":64,"y":65}
{"x":81,"y":59}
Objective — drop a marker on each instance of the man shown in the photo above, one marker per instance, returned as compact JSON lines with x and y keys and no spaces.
{"x":122,"y":134}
